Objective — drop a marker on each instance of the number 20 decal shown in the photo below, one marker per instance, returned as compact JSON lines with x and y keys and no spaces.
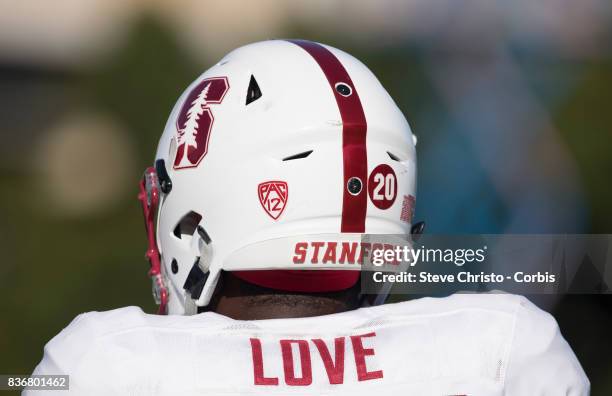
{"x":382,"y":186}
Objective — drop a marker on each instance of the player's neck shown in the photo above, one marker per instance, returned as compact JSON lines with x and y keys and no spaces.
{"x":277,"y":307}
{"x":241,"y":300}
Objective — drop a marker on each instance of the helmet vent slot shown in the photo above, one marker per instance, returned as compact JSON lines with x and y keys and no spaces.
{"x":253,"y":92}
{"x":187,"y":226}
{"x":298,"y":156}
{"x":393,"y":156}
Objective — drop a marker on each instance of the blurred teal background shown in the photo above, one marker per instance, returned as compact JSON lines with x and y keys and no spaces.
{"x":510,"y":102}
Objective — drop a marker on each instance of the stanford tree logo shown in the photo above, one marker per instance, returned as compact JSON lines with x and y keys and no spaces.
{"x":195,"y":121}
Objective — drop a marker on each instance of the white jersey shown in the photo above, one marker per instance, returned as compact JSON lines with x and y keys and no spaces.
{"x":493,"y":344}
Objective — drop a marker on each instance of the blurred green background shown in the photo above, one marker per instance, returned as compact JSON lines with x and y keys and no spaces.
{"x":510,"y":102}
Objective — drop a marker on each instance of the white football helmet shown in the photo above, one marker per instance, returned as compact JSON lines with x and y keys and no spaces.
{"x":280,"y":146}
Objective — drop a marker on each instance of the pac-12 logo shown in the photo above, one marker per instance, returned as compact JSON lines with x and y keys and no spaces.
{"x":273,"y":197}
{"x":195,"y":121}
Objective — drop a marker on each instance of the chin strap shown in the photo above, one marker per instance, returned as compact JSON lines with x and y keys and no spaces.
{"x":149,"y":198}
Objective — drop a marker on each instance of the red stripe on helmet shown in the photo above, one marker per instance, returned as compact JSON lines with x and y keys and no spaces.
{"x":354,"y":128}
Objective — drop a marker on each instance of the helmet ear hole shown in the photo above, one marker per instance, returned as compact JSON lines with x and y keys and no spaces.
{"x":187,"y":226}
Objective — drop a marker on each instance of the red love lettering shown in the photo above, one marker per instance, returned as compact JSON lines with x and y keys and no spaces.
{"x":258,"y":369}
{"x":360,"y":354}
{"x":290,"y":378}
{"x":335,"y":370}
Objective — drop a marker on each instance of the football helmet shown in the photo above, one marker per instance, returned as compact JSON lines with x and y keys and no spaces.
{"x":278,"y":153}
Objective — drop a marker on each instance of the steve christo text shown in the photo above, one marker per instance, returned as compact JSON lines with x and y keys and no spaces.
{"x":463,"y":277}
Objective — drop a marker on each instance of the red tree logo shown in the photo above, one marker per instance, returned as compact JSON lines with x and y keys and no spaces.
{"x":195,"y":121}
